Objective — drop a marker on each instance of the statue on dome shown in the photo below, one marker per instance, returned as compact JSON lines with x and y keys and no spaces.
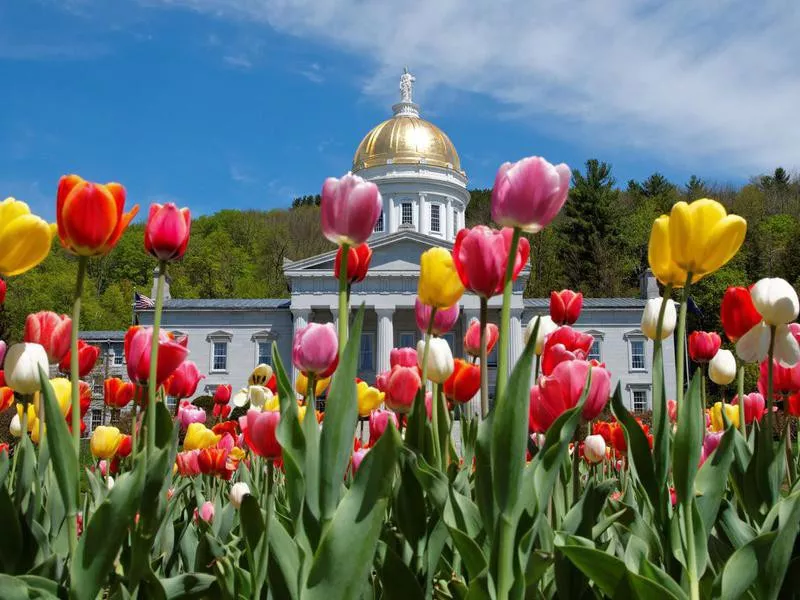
{"x":406,"y":85}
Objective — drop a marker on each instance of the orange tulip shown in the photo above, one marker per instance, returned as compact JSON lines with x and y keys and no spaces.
{"x":89,"y":215}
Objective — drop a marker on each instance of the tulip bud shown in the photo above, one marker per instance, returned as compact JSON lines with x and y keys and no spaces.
{"x":405,"y":357}
{"x":222,"y":394}
{"x":105,"y":441}
{"x":775,"y":300}
{"x":439,"y":283}
{"x":349,"y":209}
{"x":565,"y":306}
{"x":358,"y":456}
{"x":650,"y":318}
{"x":166,"y":233}
{"x":378,"y":421}
{"x":22,"y":364}
{"x":3,"y":289}
{"x":703,"y":345}
{"x":3,"y":348}
{"x":315,"y":348}
{"x":546,"y":327}
{"x":206,"y":512}
{"x":110,"y":483}
{"x":753,"y":407}
{"x":440,"y":359}
{"x":238,"y":491}
{"x":594,"y":448}
{"x":722,"y":368}
{"x":472,"y":339}
{"x":443,"y":320}
{"x":731,"y":412}
{"x":15,"y":427}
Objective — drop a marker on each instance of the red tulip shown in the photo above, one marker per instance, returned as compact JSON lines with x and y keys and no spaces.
{"x":221,"y":411}
{"x":138,"y":344}
{"x":166,"y":234}
{"x":480,"y":256}
{"x":3,"y":288}
{"x":226,"y":427}
{"x":738,"y":313}
{"x":125,"y":446}
{"x":472,"y":339}
{"x":118,"y":393}
{"x":793,"y":405}
{"x":378,"y":422}
{"x":464,"y":382}
{"x":785,"y":380}
{"x":6,"y":398}
{"x":50,"y":331}
{"x":272,"y":384}
{"x":222,"y":395}
{"x":87,"y":357}
{"x":358,"y":259}
{"x":183,"y":382}
{"x":565,"y":306}
{"x":753,"y":407}
{"x":565,"y":343}
{"x":212,"y":460}
{"x":402,"y":387}
{"x":188,"y":463}
{"x":89,"y":215}
{"x":85,"y":400}
{"x":259,"y":432}
{"x":703,"y":345}
{"x":405,"y":357}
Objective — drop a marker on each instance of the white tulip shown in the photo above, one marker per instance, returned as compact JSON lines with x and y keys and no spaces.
{"x":650,"y":318}
{"x":440,"y":359}
{"x":110,"y":483}
{"x":15,"y":427}
{"x":240,"y":398}
{"x":259,"y":395}
{"x":594,"y":448}
{"x":22,"y":365}
{"x":775,"y":300}
{"x":538,"y":439}
{"x":722,"y":368}
{"x":546,"y":327}
{"x":753,"y":346}
{"x":238,"y":491}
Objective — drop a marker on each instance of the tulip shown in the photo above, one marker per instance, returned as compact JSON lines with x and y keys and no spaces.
{"x":259,"y":432}
{"x":565,"y":306}
{"x":440,"y":359}
{"x":206,"y":512}
{"x":15,"y":427}
{"x":775,"y":300}
{"x":62,"y":390}
{"x":166,"y":234}
{"x":529,"y":194}
{"x":259,"y":396}
{"x":785,"y":380}
{"x":731,"y":412}
{"x":463,"y":383}
{"x":262,"y":375}
{"x":594,"y":448}
{"x":443,"y":320}
{"x":212,"y":460}
{"x":369,"y":398}
{"x":472,"y":339}
{"x":105,"y":441}
{"x":22,"y":365}
{"x":118,"y":393}
{"x":221,"y":411}
{"x":238,"y":491}
{"x":301,"y":385}
{"x":753,"y":407}
{"x":776,"y":303}
{"x":378,"y":422}
{"x":697,"y":238}
{"x":722,"y":368}
{"x":3,"y":288}
{"x":710,"y":443}
{"x":51,"y":331}
{"x":703,"y":345}
{"x":222,"y":395}
{"x":188,"y":463}
{"x":315,"y":348}
{"x":138,"y":345}
{"x":672,"y":410}
{"x":87,"y":357}
{"x":405,"y":357}
{"x":6,"y":398}
{"x":198,"y":436}
{"x":229,"y":427}
{"x":184,"y":380}
{"x":793,"y":405}
{"x":89,"y":215}
{"x":110,"y":483}
{"x":402,"y":387}
{"x":439,"y":283}
{"x":3,"y":348}
{"x":546,"y":327}
{"x":349,"y":209}
{"x":652,"y":310}
{"x":358,"y":456}
{"x":358,"y":259}
{"x":565,"y":343}
{"x":188,"y":413}
{"x":753,"y":346}
{"x":480,"y":256}
{"x":738,"y":313}
{"x":125,"y":446}
{"x":25,"y":239}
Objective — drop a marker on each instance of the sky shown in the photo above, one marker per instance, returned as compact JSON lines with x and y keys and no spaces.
{"x":249,"y":103}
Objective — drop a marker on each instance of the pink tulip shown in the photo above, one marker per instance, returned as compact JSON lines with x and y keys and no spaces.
{"x":315,"y":348}
{"x":259,"y":430}
{"x":754,"y":407}
{"x":3,"y":348}
{"x":565,"y":343}
{"x":405,"y":357}
{"x":480,"y":256}
{"x":349,"y":209}
{"x":472,"y":339}
{"x":166,"y":234}
{"x":188,"y":413}
{"x":529,"y":194}
{"x":358,"y":456}
{"x":183,"y":382}
{"x":51,"y":331}
{"x":672,"y":410}
{"x":207,"y":511}
{"x":443,"y":320}
{"x":3,"y":288}
{"x":710,"y":443}
{"x":188,"y":463}
{"x":378,"y":421}
{"x":429,"y":405}
{"x":402,"y":388}
{"x":138,"y":345}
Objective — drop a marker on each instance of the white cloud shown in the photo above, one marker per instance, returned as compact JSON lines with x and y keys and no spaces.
{"x":716,"y":80}
{"x":240,"y":174}
{"x":313,"y":73}
{"x":238,"y":60}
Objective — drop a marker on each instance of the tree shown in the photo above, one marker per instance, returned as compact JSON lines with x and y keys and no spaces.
{"x":696,"y":188}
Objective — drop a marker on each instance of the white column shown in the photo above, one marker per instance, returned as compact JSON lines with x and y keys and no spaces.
{"x":448,"y":232}
{"x":515,"y":344}
{"x":421,"y":220}
{"x":385,"y":338}
{"x":335,"y":313}
{"x":301,"y":317}
{"x":473,"y":407}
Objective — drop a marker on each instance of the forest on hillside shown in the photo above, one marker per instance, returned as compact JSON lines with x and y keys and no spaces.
{"x":598,"y":244}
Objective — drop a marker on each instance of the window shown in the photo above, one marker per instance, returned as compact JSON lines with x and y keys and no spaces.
{"x":639,"y":400}
{"x":407,"y":340}
{"x":379,"y":223}
{"x":594,"y":351}
{"x":637,"y":355}
{"x":406,"y":214}
{"x":97,"y":418}
{"x":491,"y":360}
{"x":98,"y":389}
{"x":119,"y":354}
{"x":366,"y":358}
{"x":436,"y":225}
{"x":219,"y":360}
{"x":264,"y":353}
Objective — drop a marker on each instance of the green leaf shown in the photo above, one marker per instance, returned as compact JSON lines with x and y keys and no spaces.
{"x":474,"y":559}
{"x":397,"y":579}
{"x":27,"y":588}
{"x":688,"y":440}
{"x":660,"y":425}
{"x":484,"y":494}
{"x":742,"y":569}
{"x":189,"y":585}
{"x":409,"y":503}
{"x":712,"y":479}
{"x":284,"y":562}
{"x":11,"y":547}
{"x":252,"y":521}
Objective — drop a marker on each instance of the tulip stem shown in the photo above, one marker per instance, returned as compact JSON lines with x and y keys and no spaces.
{"x":428,"y":334}
{"x":134,"y":412}
{"x":740,"y":392}
{"x":264,"y":559}
{"x":152,"y":380}
{"x":681,"y":350}
{"x":344,"y":312}
{"x":73,"y":360}
{"x":437,"y":458}
{"x":770,"y":393}
{"x":502,"y":350}
{"x":576,"y":469}
{"x":484,"y":317}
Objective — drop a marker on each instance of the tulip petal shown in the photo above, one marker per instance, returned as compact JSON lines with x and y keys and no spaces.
{"x":787,"y":350}
{"x":722,"y":243}
{"x":753,"y":346}
{"x":24,"y":243}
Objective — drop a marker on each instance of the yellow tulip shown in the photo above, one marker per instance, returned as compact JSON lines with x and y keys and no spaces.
{"x":198,"y":436}
{"x":697,"y":238}
{"x":31,"y":415}
{"x":369,"y":398}
{"x":260,"y":375}
{"x":105,"y":441}
{"x":25,"y":239}
{"x":439,"y":283}
{"x":34,"y":429}
{"x":731,"y":412}
{"x":62,"y":389}
{"x":301,"y":413}
{"x":301,"y":385}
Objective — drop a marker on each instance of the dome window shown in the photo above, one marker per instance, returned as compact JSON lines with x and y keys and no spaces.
{"x":436,"y":225}
{"x":406,"y":214}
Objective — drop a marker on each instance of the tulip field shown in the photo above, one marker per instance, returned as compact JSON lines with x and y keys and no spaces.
{"x":551,"y":489}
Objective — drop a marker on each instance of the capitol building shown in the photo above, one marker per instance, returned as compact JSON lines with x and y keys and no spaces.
{"x":423,"y":184}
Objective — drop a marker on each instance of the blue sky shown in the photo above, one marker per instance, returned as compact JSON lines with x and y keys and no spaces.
{"x":248,"y":103}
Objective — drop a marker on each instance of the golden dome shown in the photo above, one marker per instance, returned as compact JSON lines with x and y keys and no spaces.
{"x":406,"y":139}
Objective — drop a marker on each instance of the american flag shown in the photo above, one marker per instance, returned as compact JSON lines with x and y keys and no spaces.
{"x":142,"y":302}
